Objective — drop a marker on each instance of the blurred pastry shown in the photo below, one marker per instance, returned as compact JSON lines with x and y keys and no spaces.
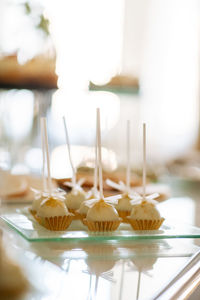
{"x":53,"y":214}
{"x":145,"y":216}
{"x":120,"y":83}
{"x":12,"y":185}
{"x":88,"y":183}
{"x":74,"y":199}
{"x":162,"y":189}
{"x":21,"y":191}
{"x":37,"y":72}
{"x":81,"y":213}
{"x":124,"y":206}
{"x":13,"y":283}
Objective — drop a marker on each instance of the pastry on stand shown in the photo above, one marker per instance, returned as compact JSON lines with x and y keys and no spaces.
{"x":101,"y":216}
{"x":125,"y":200}
{"x":52,"y":212}
{"x":40,"y":195}
{"x":145,"y":215}
{"x":47,"y":193}
{"x":75,"y":198}
{"x":81,"y":213}
{"x":77,"y":195}
{"x":93,"y":194}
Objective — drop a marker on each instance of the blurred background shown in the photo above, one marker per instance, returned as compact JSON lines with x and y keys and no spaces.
{"x":135,"y":59}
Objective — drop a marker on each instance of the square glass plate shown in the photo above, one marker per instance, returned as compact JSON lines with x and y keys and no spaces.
{"x":26,"y":226}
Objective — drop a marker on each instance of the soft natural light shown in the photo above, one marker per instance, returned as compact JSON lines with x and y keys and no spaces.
{"x":82,"y":156}
{"x":16,"y":110}
{"x":21,"y":36}
{"x":170,"y":75}
{"x":79,"y":108}
{"x":88,"y":40}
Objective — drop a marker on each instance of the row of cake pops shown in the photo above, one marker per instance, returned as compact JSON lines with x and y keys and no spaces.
{"x":55,"y":209}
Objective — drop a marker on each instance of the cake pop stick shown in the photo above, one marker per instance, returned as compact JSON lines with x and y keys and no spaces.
{"x":128,"y":169}
{"x":99,"y":153}
{"x":43,"y":156}
{"x":69,"y":153}
{"x":96,"y":162}
{"x":121,"y":186}
{"x":144,"y":161}
{"x":93,"y":193}
{"x":47,"y":156}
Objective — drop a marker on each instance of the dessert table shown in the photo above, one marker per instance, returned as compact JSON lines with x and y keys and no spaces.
{"x":138,"y":269}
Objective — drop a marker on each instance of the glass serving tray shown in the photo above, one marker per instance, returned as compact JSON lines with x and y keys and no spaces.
{"x":26,"y":226}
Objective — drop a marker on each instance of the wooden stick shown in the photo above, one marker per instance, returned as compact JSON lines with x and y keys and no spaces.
{"x":43,"y":155}
{"x":47,"y":156}
{"x":69,"y":152}
{"x":99,"y":153}
{"x":128,"y":168}
{"x":144,"y":161}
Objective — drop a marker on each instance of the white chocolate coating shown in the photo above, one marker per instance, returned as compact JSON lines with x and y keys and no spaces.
{"x":102,"y":211}
{"x":145,"y":211}
{"x":83,"y":209}
{"x":41,"y":196}
{"x":52,"y":208}
{"x":124,"y":203}
{"x":74,"y":199}
{"x":36,"y":203}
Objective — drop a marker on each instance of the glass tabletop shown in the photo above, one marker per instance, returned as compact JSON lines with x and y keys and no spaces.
{"x":26,"y":226}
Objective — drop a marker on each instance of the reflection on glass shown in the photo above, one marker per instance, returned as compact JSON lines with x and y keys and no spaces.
{"x":17,"y":114}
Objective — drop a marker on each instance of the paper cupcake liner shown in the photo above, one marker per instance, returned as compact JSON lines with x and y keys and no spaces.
{"x":84,"y":221}
{"x":57,"y":223}
{"x":124,"y":214}
{"x":75,"y":214}
{"x":38,"y":219}
{"x":34,"y":214}
{"x":102,"y":225}
{"x":81,"y":217}
{"x":146,"y":224}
